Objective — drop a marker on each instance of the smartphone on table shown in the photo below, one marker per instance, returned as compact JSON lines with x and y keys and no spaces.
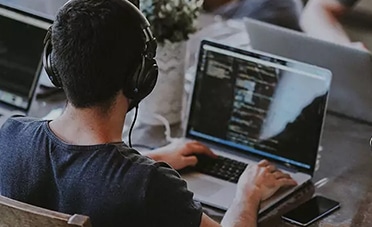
{"x":311,"y":211}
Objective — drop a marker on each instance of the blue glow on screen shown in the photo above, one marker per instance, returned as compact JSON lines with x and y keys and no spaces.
{"x":246,"y":148}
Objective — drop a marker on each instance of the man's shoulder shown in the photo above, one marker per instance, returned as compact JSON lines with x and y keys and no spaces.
{"x":154,"y":172}
{"x":17,"y":124}
{"x":160,"y":169}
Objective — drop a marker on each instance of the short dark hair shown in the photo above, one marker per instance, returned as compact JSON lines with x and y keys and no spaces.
{"x":97,"y":46}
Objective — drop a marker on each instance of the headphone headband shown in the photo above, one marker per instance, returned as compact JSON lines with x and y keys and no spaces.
{"x":128,"y":4}
{"x":135,"y":87}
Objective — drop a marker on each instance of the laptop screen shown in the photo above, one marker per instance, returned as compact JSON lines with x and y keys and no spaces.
{"x":259,"y":104}
{"x":21,"y":47}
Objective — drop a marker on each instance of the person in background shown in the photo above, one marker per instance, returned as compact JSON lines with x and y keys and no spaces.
{"x":78,"y":162}
{"x":321,"y":19}
{"x":284,"y":13}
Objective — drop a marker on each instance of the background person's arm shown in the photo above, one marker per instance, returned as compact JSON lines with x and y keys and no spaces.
{"x":320,"y":19}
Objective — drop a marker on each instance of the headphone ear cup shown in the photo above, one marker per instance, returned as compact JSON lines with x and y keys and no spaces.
{"x":148,"y":78}
{"x":48,"y":63}
{"x":143,"y":81}
{"x":54,"y":77}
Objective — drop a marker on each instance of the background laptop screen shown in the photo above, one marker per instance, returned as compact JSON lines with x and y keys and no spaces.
{"x":259,"y":104}
{"x":21,"y":46}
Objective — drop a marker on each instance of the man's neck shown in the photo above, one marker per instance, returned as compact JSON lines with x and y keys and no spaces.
{"x":90,"y":126}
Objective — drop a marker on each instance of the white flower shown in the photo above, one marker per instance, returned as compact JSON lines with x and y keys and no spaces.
{"x":176,"y":3}
{"x":168,"y":7}
{"x":182,"y":16}
{"x":161,"y":15}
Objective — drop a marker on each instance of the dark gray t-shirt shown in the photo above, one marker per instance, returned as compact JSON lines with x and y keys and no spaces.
{"x":112,"y":184}
{"x":348,"y":3}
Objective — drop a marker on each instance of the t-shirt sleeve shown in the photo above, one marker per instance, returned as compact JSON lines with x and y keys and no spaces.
{"x":348,"y":3}
{"x":169,"y":203}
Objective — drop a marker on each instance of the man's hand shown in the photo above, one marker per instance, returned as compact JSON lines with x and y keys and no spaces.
{"x":256,"y":184}
{"x":263,"y":180}
{"x":180,"y":154}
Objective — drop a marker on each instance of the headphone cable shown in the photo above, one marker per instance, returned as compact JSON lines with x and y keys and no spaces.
{"x":132,"y":126}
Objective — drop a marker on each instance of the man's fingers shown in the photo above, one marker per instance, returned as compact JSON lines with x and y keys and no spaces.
{"x":280,"y":174}
{"x":263,"y":163}
{"x":271,"y":168}
{"x":197,"y":148}
{"x":286,"y":182}
{"x":190,"y":160}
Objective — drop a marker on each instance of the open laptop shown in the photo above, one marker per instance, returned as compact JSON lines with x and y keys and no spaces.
{"x":248,"y":106}
{"x":351,"y":68}
{"x":21,"y":47}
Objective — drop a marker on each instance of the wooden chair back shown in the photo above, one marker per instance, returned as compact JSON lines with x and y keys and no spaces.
{"x":17,"y":214}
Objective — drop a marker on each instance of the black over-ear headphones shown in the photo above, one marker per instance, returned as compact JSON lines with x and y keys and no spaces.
{"x":135,"y":87}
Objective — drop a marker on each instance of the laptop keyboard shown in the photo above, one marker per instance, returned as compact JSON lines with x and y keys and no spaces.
{"x":220,"y":167}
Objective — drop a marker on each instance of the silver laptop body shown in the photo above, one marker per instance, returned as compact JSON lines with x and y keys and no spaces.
{"x":351,"y":68}
{"x":250,"y":106}
{"x":21,"y":47}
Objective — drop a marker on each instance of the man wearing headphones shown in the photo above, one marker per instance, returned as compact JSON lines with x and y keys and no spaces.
{"x":101,"y":52}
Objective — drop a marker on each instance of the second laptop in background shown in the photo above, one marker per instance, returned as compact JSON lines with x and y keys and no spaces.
{"x":351,"y":88}
{"x":21,"y":48}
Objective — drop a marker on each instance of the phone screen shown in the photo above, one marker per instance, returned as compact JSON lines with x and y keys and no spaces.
{"x":312,"y":210}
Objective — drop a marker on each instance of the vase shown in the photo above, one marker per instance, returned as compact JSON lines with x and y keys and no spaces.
{"x":166,"y":99}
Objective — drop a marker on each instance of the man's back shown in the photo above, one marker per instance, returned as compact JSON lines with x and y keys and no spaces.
{"x":110,"y":183}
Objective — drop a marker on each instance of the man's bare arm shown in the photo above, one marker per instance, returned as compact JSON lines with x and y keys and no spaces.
{"x":256,"y":184}
{"x":240,"y":214}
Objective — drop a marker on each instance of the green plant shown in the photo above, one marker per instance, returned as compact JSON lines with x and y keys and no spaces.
{"x":171,"y":20}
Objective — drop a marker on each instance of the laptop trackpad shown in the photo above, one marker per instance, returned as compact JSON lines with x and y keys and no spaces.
{"x":211,"y":191}
{"x":204,"y":187}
